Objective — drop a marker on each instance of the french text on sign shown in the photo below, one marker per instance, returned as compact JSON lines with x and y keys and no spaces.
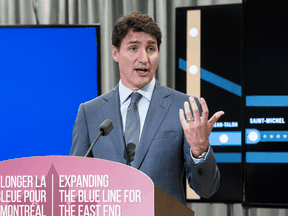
{"x":267,"y":121}
{"x":34,"y":196}
{"x":22,"y":210}
{"x":10,"y":196}
{"x":21,"y":181}
{"x":16,"y":181}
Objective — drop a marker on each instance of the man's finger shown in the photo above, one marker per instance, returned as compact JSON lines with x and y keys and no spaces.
{"x":215,"y":117}
{"x":187,"y":110}
{"x":182,"y":118}
{"x":194,"y":109}
{"x":205,"y":110}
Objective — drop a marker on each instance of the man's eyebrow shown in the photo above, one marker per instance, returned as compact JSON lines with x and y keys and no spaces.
{"x":151,"y":42}
{"x":134,"y":42}
{"x":138,"y":42}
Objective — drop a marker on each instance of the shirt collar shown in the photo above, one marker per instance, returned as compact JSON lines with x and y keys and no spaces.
{"x":146,"y":91}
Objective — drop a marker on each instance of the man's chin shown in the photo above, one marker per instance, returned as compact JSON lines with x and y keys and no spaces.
{"x":141,"y":85}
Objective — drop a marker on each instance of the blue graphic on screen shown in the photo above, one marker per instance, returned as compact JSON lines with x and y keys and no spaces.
{"x":254,"y":136}
{"x":215,"y":80}
{"x":267,"y":157}
{"x":225,"y":138}
{"x":45,"y":74}
{"x":228,"y":157}
{"x":267,"y":101}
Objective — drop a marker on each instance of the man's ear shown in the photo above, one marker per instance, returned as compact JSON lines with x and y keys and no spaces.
{"x":115,"y":53}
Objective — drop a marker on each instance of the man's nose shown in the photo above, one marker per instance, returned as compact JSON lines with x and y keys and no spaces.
{"x":143,"y":57}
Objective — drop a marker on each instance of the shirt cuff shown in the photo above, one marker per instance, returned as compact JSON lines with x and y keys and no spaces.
{"x":198,"y":161}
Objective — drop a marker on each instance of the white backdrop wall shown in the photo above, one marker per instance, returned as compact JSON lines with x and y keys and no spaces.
{"x":106,"y":12}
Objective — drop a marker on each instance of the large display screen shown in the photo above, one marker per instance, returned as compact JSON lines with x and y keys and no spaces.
{"x":45,"y":73}
{"x":266,"y":106}
{"x":208,"y":64}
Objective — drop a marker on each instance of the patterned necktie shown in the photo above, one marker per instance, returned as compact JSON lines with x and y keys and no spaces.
{"x":132,"y":127}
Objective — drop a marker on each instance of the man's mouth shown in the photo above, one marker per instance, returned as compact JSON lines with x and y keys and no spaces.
{"x":141,"y":70}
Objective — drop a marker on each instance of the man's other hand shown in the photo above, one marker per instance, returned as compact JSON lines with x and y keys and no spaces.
{"x":197,"y":129}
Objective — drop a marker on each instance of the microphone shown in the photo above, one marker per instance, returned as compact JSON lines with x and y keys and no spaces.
{"x":105,"y":128}
{"x":129,"y":153}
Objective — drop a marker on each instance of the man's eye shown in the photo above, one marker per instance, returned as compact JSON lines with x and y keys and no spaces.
{"x":151,"y":49}
{"x":132,"y":48}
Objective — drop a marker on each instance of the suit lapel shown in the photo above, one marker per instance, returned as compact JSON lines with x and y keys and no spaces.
{"x":158,"y":108}
{"x":111,"y":110}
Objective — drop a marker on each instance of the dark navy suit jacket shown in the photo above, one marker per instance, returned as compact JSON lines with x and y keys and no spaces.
{"x":163,"y":152}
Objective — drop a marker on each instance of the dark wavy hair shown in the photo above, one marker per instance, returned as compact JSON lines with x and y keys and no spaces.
{"x":137,"y":22}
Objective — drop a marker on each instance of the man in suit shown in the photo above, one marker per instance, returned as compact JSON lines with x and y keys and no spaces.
{"x":167,"y":144}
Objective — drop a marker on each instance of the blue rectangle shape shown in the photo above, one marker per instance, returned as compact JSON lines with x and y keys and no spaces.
{"x":214,"y":79}
{"x":228,"y":157}
{"x":221,"y":82}
{"x":274,"y":136}
{"x":267,"y":101}
{"x":266,"y":157}
{"x":46,"y":72}
{"x":225,"y":138}
{"x":182,"y":64}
